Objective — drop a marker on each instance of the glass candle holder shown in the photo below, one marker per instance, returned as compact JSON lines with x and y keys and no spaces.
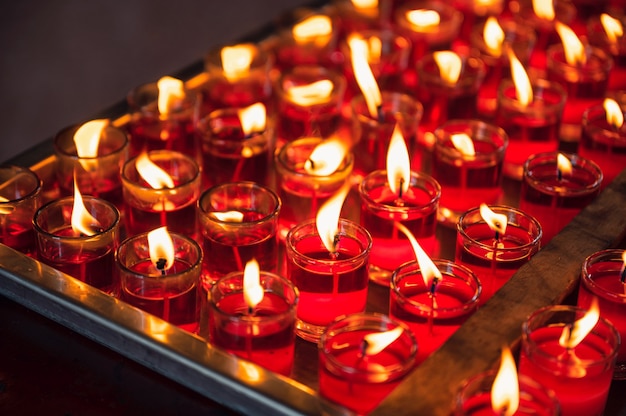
{"x":87,"y":258}
{"x":467,"y":180}
{"x":20,"y":198}
{"x":443,"y":100}
{"x":329,"y":285}
{"x":581,"y":376}
{"x":433,"y":316}
{"x":601,"y":277}
{"x":371,"y":136}
{"x":555,"y":198}
{"x":585,"y":84}
{"x":238,"y":222}
{"x":301,"y":192}
{"x":150,"y":130}
{"x":602,"y":142}
{"x":148,"y":208}
{"x":416,"y":210}
{"x":266,"y":336}
{"x":474,"y":397}
{"x":353,"y":379}
{"x":532,"y":128}
{"x":475,"y":13}
{"x":230,"y":155}
{"x":237,"y":87}
{"x":518,"y":38}
{"x":97,"y":176}
{"x":494,"y":259}
{"x":353,"y":17}
{"x":170,"y":294}
{"x":427,"y":36}
{"x":314,"y":114}
{"x":615,"y":45}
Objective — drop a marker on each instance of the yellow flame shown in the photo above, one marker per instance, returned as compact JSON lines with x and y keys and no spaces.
{"x":614,"y":114}
{"x":236,"y":61}
{"x":505,"y":389}
{"x":544,"y":9}
{"x":496,"y":222}
{"x":572,"y":46}
{"x":253,"y":118}
{"x":365,"y":4}
{"x":227,"y":216}
{"x":327,"y":219}
{"x":161,"y":247}
{"x":398,"y":163}
{"x":449,"y":64}
{"x":612,"y":27}
{"x":253,"y":292}
{"x":82,"y":221}
{"x":429,"y":270}
{"x":311,"y":28}
{"x":315,"y":93}
{"x":563,"y":164}
{"x":374,"y":49}
{"x":156,"y":177}
{"x":574,"y":334}
{"x":376,"y":342}
{"x":523,"y":88}
{"x":463,"y":143}
{"x":87,"y":137}
{"x":326,"y":157}
{"x":171,"y":91}
{"x":423,"y":19}
{"x":364,"y":75}
{"x":494,"y":36}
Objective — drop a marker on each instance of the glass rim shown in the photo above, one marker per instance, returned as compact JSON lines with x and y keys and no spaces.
{"x":181,"y":156}
{"x":37,"y":189}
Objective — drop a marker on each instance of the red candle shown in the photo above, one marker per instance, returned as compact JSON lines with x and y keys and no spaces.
{"x":475,"y":13}
{"x":264,"y":333}
{"x":20,"y":198}
{"x":351,"y":373}
{"x":467,"y":162}
{"x":359,"y":16}
{"x":161,"y":188}
{"x":330,"y":284}
{"x":159,"y":273}
{"x":433,"y":311}
{"x":603,"y":277}
{"x":579,"y":374}
{"x":78,"y":236}
{"x":556,"y":187}
{"x":606,"y":31}
{"x":494,"y":256}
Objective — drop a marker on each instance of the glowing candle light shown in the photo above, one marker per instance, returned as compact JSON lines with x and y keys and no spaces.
{"x":236,"y":61}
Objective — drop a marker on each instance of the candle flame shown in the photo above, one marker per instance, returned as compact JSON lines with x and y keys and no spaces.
{"x":573,"y":335}
{"x":494,"y":36}
{"x":365,"y":4}
{"x":253,"y":118}
{"x":171,"y":91}
{"x":83,"y":223}
{"x":376,"y":342}
{"x":544,"y":9}
{"x":312,"y":28}
{"x":253,"y":292}
{"x":315,"y":93}
{"x":227,"y":216}
{"x":236,"y":61}
{"x":430,"y":272}
{"x":449,"y":64}
{"x":359,"y":53}
{"x":398,"y":163}
{"x":161,"y":247}
{"x":463,"y":143}
{"x":564,"y":165}
{"x":572,"y":46}
{"x":156,"y":177}
{"x":612,"y":27}
{"x":326,"y":157}
{"x":327,"y":219}
{"x":87,"y":137}
{"x":614,"y":114}
{"x":496,"y":222}
{"x":505,"y":390}
{"x":523,"y":88}
{"x":423,"y":19}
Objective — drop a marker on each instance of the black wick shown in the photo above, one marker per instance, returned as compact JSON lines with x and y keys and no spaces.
{"x":312,"y":163}
{"x":400,"y":190}
{"x":433,"y":286}
{"x":623,"y":276}
{"x":160,"y":265}
{"x":363,"y":348}
{"x":381,"y":115}
{"x":559,"y":175}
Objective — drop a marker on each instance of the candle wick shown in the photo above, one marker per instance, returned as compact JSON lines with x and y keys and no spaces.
{"x":160,"y":265}
{"x":381,"y":115}
{"x":312,"y":163}
{"x":401,"y":183}
{"x":363,"y":348}
{"x":433,"y":286}
{"x":623,"y":275}
{"x":559,"y":175}
{"x":250,"y":310}
{"x":497,"y":237}
{"x":335,"y":244}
